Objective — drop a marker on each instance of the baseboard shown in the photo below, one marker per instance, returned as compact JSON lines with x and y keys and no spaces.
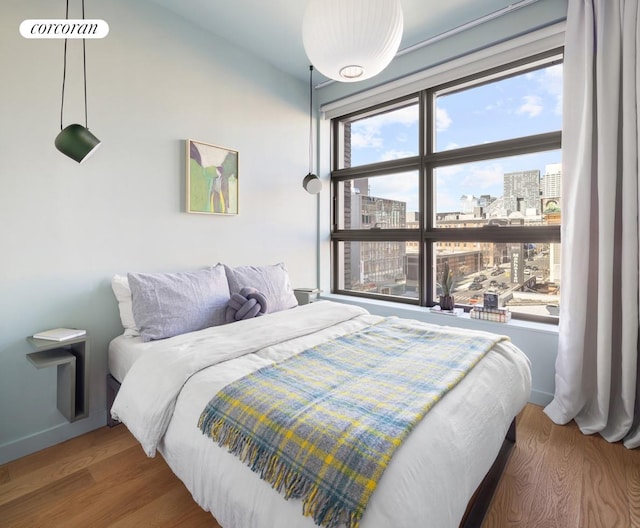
{"x":55,"y":435}
{"x":540,"y":398}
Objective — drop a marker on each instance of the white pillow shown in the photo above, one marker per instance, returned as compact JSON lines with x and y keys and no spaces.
{"x":120,"y":286}
{"x":169,"y":304}
{"x":272,"y":281}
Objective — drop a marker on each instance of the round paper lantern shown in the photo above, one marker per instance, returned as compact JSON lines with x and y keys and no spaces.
{"x":352,"y":40}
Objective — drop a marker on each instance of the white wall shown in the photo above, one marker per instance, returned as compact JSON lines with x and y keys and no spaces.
{"x":67,"y":228}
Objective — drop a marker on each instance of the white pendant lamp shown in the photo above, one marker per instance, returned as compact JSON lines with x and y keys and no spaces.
{"x":352,"y":40}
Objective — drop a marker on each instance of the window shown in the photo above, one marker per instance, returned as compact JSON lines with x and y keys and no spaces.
{"x":467,"y":173}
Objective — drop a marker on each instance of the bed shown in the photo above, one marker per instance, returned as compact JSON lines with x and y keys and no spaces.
{"x":161,"y":387}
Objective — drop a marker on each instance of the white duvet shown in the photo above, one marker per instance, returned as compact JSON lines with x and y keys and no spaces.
{"x":431,"y":476}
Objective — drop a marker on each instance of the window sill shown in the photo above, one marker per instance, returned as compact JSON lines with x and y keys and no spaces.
{"x":421,"y":313}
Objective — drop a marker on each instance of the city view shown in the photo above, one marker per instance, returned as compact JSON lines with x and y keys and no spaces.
{"x":526,"y":276}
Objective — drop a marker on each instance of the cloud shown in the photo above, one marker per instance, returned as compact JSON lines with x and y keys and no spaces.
{"x":447,"y":202}
{"x":494,"y":106}
{"x":449,"y":171}
{"x":365,"y":137}
{"x":443,"y":120}
{"x":482,"y":177}
{"x":552,"y":83}
{"x":450,"y":146}
{"x":402,"y":187}
{"x":473,"y":178}
{"x":396,"y":154}
{"x":532,"y":106}
{"x":549,"y":81}
{"x":367,"y":133}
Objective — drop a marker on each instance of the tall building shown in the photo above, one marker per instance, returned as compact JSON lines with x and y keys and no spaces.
{"x":522,"y":191}
{"x":467,"y":203}
{"x":551,"y":182}
{"x":413,"y":222}
{"x":551,"y":188}
{"x":486,"y":200}
{"x":374,"y":266}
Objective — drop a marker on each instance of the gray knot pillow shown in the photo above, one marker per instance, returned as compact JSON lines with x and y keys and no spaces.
{"x":246,"y":304}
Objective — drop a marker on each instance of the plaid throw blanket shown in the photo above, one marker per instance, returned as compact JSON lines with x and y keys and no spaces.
{"x":322,"y":426}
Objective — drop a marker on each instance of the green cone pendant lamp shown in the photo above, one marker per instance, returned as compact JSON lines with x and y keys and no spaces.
{"x":75,"y":140}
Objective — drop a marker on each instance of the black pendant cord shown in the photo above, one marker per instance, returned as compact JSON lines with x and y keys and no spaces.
{"x":64,"y":70}
{"x":84,"y":73}
{"x":311,"y":119}
{"x":64,"y":73}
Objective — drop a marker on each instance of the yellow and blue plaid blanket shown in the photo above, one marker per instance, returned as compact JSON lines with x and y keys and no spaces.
{"x":322,"y":425}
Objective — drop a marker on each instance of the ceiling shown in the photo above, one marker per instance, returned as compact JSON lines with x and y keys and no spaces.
{"x":271,"y":29}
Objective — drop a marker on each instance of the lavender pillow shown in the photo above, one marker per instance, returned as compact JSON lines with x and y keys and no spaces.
{"x":169,"y":304}
{"x":272,"y":281}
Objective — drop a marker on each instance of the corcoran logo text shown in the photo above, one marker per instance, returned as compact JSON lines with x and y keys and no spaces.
{"x":64,"y":29}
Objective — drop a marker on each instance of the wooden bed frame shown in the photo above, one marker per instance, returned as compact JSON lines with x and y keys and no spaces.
{"x":481,"y":499}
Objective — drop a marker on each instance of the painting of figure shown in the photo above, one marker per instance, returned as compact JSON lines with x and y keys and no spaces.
{"x":212,"y":179}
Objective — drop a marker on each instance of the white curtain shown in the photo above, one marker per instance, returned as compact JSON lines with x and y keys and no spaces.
{"x":597,"y":378}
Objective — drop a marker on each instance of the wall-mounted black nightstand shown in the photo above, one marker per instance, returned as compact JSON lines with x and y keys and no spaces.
{"x":72,"y":359}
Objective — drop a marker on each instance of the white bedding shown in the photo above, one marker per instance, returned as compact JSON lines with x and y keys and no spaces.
{"x":430,"y":479}
{"x":124,"y":351}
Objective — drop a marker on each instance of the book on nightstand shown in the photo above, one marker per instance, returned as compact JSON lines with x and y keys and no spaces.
{"x":60,"y":334}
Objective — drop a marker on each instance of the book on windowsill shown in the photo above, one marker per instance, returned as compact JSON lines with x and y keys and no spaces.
{"x":60,"y":334}
{"x":497,"y":315}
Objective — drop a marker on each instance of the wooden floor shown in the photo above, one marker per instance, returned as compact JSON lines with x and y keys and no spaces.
{"x":556,"y":477}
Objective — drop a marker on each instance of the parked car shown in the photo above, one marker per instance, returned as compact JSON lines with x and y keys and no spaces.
{"x":475,"y":286}
{"x":497,"y":271}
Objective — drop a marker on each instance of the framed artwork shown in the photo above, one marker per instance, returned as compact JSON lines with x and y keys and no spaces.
{"x":212,"y":179}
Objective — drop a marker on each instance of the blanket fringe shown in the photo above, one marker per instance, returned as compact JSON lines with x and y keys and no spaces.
{"x":315,"y":502}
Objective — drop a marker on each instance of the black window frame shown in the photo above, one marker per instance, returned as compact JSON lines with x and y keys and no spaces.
{"x":427,"y":160}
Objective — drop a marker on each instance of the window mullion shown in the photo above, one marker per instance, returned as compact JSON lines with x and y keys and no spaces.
{"x":427,"y":202}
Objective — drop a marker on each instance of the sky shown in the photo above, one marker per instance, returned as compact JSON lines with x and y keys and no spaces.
{"x":529,"y":103}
